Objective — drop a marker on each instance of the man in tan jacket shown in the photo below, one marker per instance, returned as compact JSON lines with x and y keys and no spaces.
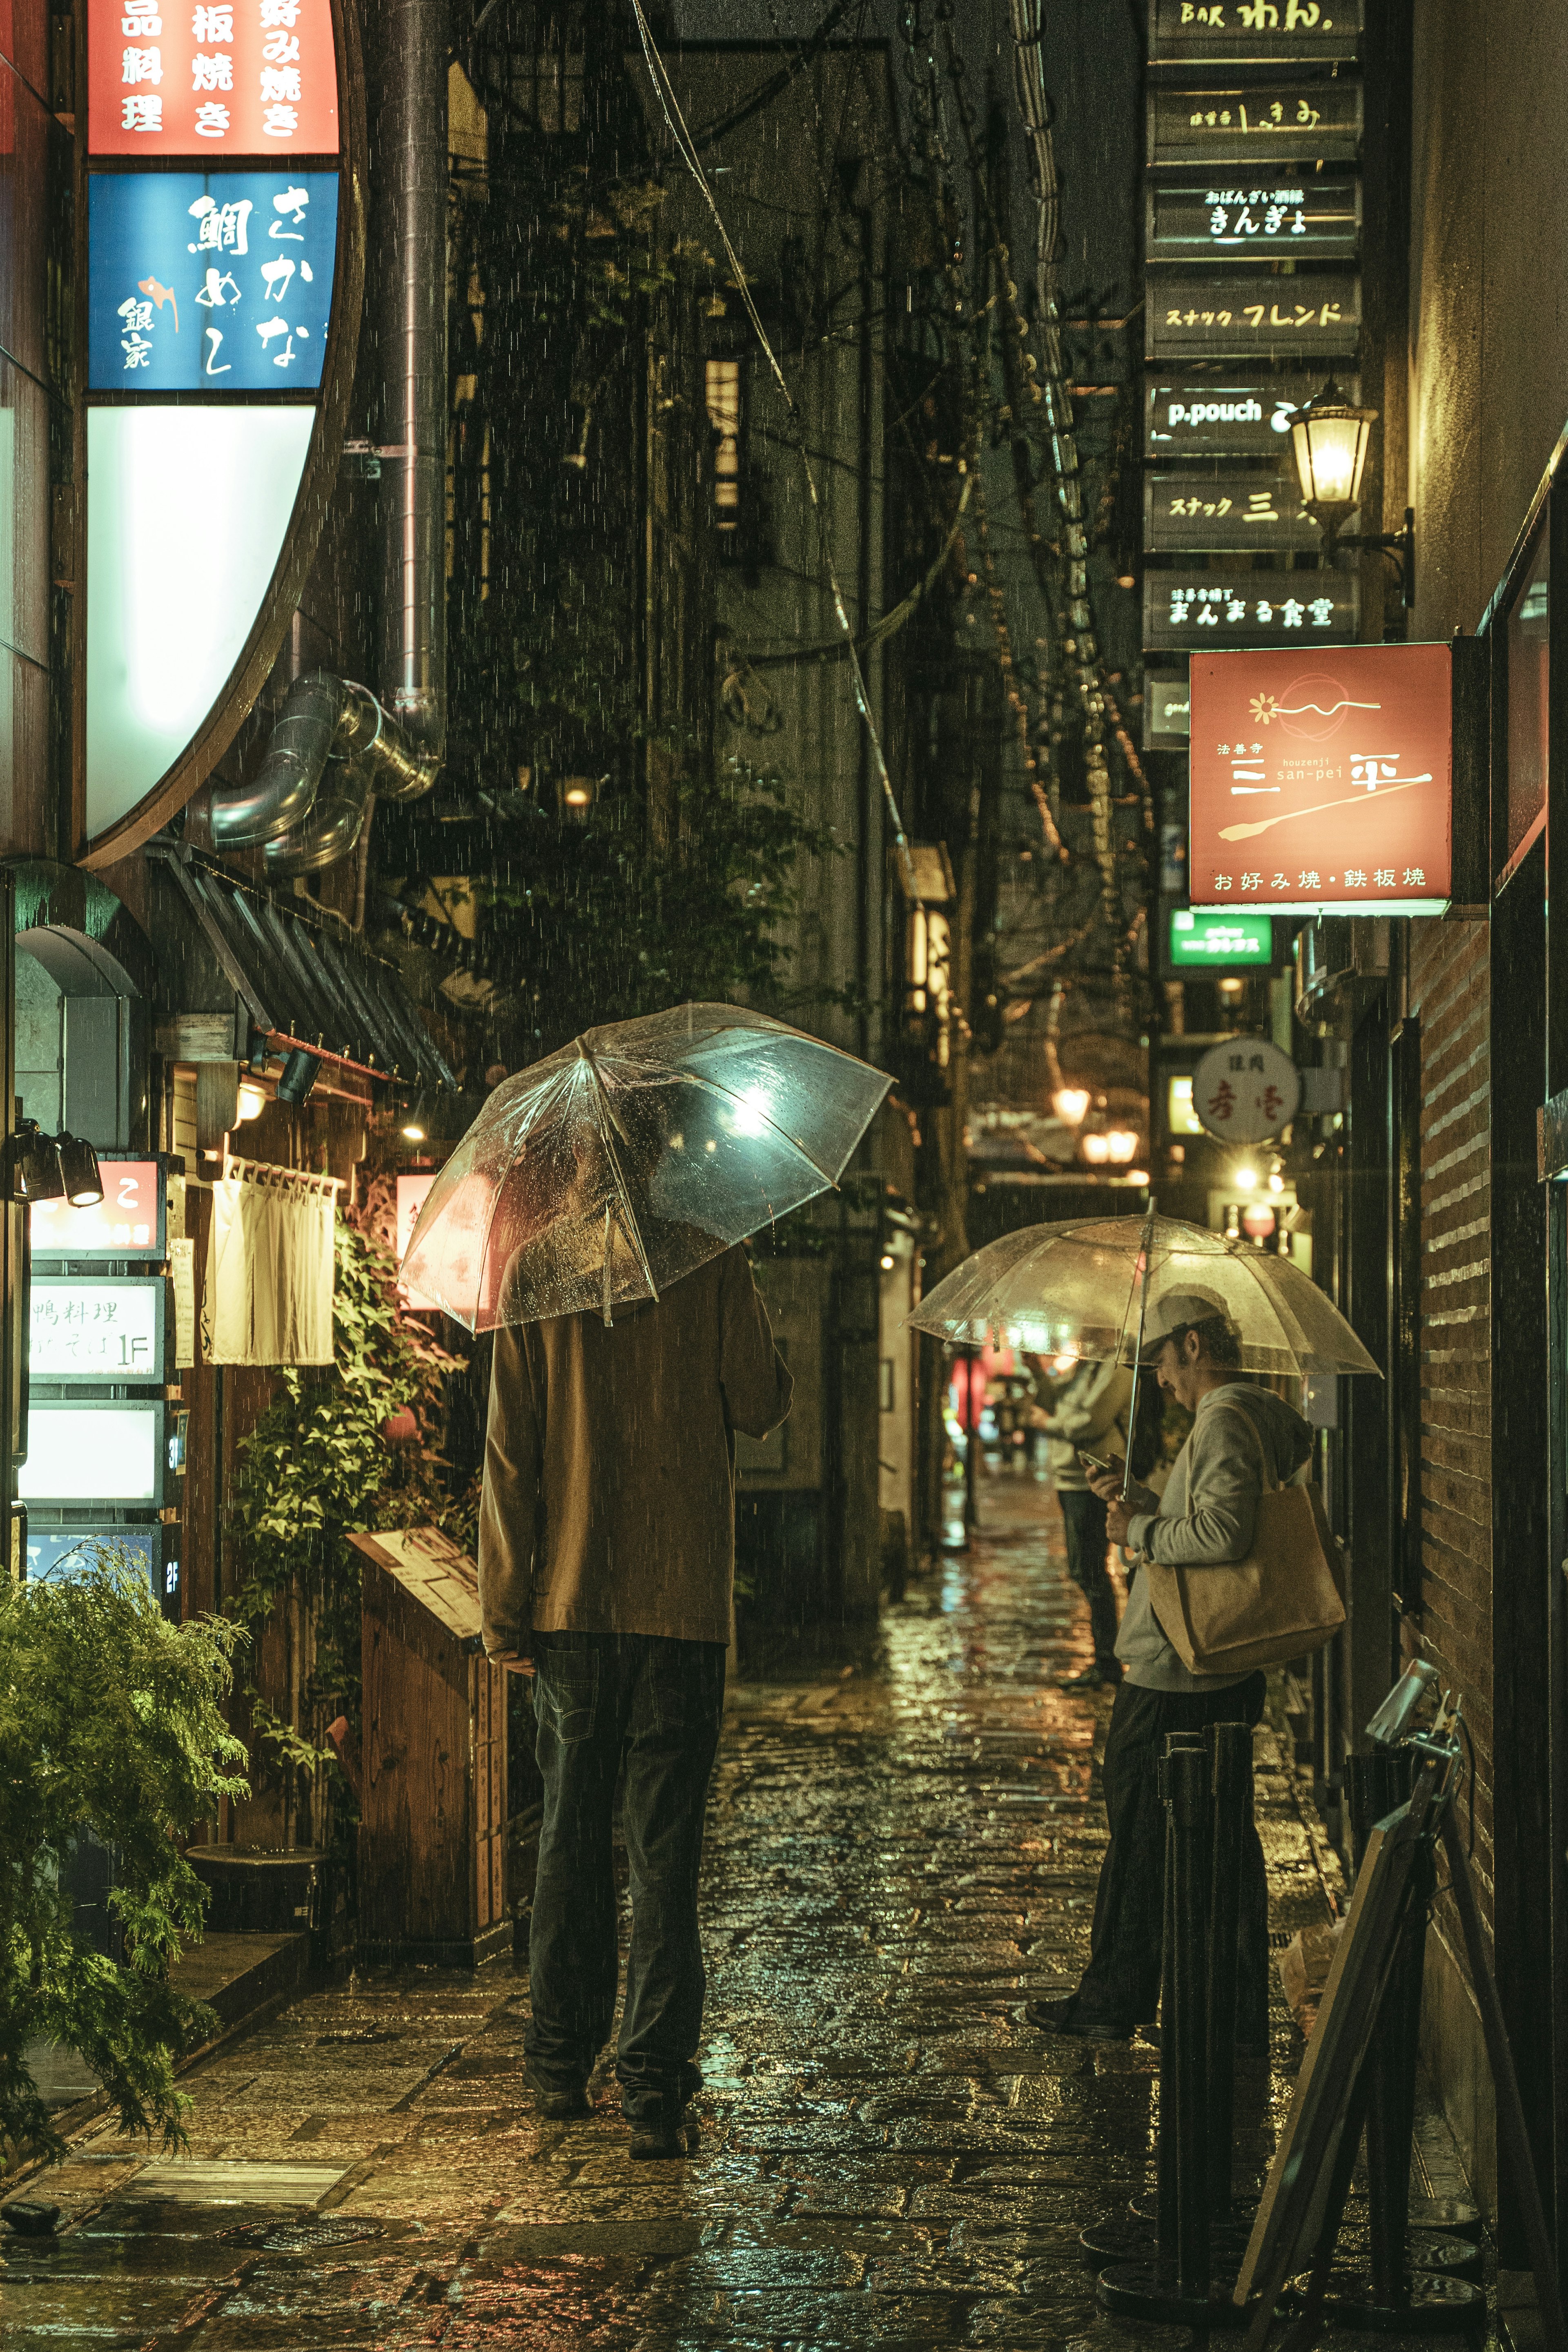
{"x":607,"y":1553}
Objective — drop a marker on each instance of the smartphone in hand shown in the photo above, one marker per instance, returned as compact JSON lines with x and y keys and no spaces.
{"x":1104,"y":1463}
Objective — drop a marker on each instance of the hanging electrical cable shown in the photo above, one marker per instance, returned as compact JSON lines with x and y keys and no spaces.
{"x":1075,"y":627}
{"x":670,"y":106}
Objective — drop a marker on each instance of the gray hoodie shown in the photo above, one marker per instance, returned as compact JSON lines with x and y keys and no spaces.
{"x":1206,"y":1516}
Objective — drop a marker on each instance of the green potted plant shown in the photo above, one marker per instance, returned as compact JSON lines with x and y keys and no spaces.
{"x":109,"y":1726}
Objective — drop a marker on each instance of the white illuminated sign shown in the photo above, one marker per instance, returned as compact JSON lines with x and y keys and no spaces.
{"x":188,"y":511}
{"x":95,"y":1331}
{"x":93,"y":1453}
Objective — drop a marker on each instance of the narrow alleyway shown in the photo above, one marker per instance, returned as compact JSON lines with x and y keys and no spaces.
{"x":900,"y":1850}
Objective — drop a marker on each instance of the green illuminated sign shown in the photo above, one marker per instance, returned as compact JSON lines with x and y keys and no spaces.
{"x":1219,"y":942}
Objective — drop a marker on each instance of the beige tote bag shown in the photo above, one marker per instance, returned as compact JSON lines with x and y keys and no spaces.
{"x":1285,"y":1598}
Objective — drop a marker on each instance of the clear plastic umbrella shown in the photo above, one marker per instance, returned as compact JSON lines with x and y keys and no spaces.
{"x":1091,"y":1287}
{"x":611,"y":1169}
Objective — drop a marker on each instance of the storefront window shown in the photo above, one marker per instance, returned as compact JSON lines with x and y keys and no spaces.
{"x":1527,"y":688}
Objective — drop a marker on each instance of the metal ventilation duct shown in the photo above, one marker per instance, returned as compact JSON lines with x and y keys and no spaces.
{"x":335,"y":745}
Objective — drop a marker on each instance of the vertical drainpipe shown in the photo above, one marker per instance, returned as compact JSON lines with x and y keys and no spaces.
{"x":411,"y":232}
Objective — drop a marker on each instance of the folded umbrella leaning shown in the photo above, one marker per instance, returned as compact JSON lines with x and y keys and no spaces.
{"x":629,"y":1159}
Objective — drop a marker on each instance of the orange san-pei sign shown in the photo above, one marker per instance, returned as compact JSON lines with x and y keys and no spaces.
{"x":1322,"y":778}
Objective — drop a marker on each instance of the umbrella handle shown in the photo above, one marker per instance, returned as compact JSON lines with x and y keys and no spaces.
{"x":1138,"y":1352}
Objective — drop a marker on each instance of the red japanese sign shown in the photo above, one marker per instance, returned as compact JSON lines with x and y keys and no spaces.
{"x":210,"y":77}
{"x":127,"y":1222}
{"x":1323,"y":777}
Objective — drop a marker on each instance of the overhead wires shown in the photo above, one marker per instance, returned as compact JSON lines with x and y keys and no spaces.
{"x":671,"y":108}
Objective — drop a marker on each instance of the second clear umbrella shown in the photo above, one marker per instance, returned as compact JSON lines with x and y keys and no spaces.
{"x":1082,"y":1288}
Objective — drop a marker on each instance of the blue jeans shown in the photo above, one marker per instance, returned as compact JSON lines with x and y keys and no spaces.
{"x":650,"y":1708}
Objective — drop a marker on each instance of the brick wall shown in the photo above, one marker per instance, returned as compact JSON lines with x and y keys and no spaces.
{"x":1449,"y":990}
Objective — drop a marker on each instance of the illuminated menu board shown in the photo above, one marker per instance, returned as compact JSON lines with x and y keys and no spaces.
{"x":235,"y":77}
{"x":1318,"y":121}
{"x":85,"y":1330}
{"x":216,"y":281}
{"x":126,"y":1222}
{"x":1200,"y":609}
{"x":1259,"y":508}
{"x":1208,"y":416}
{"x":1225,"y":218}
{"x":1255,"y":32}
{"x":98,"y":1453}
{"x":1232,"y":312}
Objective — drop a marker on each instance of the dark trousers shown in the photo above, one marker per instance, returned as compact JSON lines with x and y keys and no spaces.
{"x":1084,"y":1516}
{"x":607,"y":1705}
{"x":1121,"y":1986}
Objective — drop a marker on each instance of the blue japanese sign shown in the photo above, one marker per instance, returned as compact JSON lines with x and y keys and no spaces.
{"x":58,"y":1554}
{"x":216,"y":281}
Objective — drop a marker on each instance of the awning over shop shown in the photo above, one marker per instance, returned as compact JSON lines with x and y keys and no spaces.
{"x":303,"y":985}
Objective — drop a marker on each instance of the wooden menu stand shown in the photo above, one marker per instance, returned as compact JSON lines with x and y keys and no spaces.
{"x":433,"y":1830}
{"x":1303,"y":2204}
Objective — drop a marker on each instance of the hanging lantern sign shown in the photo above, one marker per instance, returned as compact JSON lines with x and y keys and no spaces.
{"x":225,"y":267}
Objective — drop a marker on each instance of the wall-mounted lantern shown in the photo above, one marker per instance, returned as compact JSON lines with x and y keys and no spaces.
{"x":1329,"y":440}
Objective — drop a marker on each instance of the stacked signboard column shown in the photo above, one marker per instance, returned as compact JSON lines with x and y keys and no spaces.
{"x":1252,"y":298}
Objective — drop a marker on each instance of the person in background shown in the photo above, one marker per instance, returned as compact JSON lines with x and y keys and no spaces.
{"x":1092,"y":1411}
{"x":607,"y":1552}
{"x":1242,"y":1437}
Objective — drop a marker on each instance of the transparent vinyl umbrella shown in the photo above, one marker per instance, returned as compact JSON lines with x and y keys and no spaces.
{"x":1091,"y":1287}
{"x":629,"y":1159}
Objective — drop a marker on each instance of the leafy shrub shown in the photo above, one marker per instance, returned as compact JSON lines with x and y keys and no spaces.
{"x":109,"y":1725}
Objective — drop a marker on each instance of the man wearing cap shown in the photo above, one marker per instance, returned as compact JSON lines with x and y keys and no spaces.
{"x":1205,"y":1517}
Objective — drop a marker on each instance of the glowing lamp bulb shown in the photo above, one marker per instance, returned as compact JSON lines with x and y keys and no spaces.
{"x":413,"y":1131}
{"x":1247,"y":1177}
{"x":252,"y":1100}
{"x":1071,"y":1105}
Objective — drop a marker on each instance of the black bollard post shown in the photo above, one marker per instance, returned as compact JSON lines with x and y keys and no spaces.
{"x":1167,"y":2158}
{"x":1187,"y":1778}
{"x":1230,"y":1772}
{"x":1174,"y":2288}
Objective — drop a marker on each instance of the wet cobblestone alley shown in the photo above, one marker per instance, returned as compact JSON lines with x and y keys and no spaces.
{"x":899,"y":1852}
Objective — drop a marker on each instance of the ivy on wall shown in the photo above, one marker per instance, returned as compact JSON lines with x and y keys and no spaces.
{"x":321,"y":1466}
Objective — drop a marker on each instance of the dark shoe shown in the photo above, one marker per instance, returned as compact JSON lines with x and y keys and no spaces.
{"x":1094,"y":1677}
{"x":1063,"y":2017}
{"x":655,"y":2136}
{"x":558,"y":2103}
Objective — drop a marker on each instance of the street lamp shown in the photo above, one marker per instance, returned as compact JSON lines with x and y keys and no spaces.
{"x":1329,"y":442}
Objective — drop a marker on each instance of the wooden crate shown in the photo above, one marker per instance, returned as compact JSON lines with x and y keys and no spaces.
{"x":433,"y":1832}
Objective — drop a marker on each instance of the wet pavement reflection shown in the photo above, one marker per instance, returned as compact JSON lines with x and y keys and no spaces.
{"x":902,"y":1848}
